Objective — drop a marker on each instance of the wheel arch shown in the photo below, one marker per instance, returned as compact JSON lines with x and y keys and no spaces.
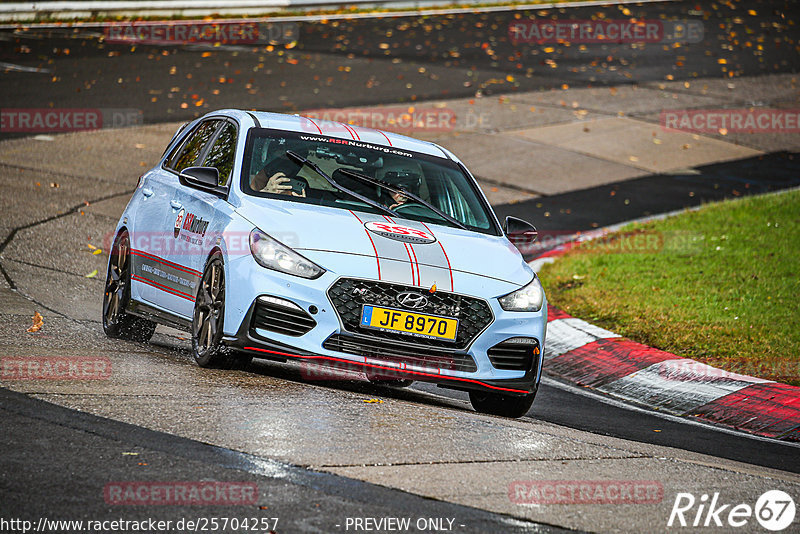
{"x":117,"y":232}
{"x":110,"y":245}
{"x":216,"y":250}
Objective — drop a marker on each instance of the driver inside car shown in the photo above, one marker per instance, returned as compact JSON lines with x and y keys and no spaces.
{"x":406,"y":177}
{"x":276,"y":176}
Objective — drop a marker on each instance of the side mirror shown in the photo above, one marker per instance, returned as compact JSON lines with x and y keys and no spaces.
{"x":202,"y":177}
{"x":521,"y":233}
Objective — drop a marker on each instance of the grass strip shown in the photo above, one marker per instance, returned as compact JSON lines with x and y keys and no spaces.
{"x":718,"y":285}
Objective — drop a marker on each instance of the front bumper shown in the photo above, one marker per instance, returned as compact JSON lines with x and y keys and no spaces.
{"x":327,"y":331}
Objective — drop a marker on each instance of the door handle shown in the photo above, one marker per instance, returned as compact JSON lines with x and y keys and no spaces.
{"x":147,"y":192}
{"x":175,"y":204}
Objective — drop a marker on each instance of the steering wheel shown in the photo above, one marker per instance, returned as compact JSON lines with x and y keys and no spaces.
{"x":412,"y":207}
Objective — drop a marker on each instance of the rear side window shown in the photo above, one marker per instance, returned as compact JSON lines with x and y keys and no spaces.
{"x":221,"y":154}
{"x":192,"y":150}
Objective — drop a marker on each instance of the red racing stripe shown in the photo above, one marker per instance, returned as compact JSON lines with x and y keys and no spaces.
{"x":163,"y":288}
{"x":603,"y":361}
{"x":411,"y":263}
{"x":168,"y":263}
{"x":314,"y":123}
{"x":449,"y":267}
{"x":377,"y":259}
{"x":768,"y":409}
{"x":419,"y":278}
{"x":384,"y":135}
{"x":356,"y":216}
{"x":348,"y":130}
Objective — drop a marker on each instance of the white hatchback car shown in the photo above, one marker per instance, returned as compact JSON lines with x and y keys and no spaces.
{"x":278,"y":236}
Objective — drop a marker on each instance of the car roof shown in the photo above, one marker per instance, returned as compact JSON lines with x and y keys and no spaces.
{"x":312,"y":126}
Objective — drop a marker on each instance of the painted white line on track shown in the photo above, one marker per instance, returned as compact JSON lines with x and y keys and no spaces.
{"x":21,"y":68}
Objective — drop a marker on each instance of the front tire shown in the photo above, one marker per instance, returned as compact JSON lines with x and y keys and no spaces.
{"x":116,"y":322}
{"x":511,"y":406}
{"x":207,"y":320}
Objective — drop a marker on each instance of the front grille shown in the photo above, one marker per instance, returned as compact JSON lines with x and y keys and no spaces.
{"x":348,"y":295}
{"x":392,"y":351}
{"x":515,"y":356}
{"x":281,"y":319}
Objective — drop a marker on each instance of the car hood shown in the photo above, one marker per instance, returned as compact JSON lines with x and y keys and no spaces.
{"x":398,"y":250}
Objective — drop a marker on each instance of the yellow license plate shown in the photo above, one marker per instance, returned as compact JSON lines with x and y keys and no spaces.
{"x":418,"y":324}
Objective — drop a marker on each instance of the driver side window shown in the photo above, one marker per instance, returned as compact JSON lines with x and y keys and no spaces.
{"x":191,"y":151}
{"x":221,"y":154}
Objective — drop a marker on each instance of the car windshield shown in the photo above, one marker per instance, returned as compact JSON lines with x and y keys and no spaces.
{"x":269,"y":172}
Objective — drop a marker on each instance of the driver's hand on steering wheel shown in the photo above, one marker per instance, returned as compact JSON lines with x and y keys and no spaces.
{"x":399,"y":200}
{"x":277,"y":184}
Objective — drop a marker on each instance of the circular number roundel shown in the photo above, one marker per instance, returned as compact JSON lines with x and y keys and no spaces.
{"x":400,"y":233}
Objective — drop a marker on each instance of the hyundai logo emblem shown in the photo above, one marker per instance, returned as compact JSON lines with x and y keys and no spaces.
{"x":412,"y":300}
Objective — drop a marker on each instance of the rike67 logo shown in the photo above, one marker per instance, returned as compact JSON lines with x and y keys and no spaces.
{"x":774,"y":510}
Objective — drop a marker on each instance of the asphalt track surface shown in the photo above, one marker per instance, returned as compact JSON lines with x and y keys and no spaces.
{"x":426,"y":58}
{"x":77,"y":442}
{"x":601,"y":206}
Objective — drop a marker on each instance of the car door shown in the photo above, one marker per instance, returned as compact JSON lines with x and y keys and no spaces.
{"x":173,"y":285}
{"x":149,"y":241}
{"x":201,"y":216}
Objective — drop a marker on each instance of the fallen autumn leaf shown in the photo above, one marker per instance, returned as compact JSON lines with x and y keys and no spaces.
{"x":38,"y":322}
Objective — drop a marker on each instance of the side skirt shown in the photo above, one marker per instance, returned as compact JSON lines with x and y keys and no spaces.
{"x":159,"y":316}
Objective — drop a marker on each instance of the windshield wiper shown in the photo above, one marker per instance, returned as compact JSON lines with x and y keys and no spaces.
{"x":300,"y":160}
{"x":390,"y":187}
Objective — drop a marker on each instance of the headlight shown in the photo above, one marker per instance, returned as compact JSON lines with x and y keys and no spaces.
{"x":278,"y":257}
{"x":529,"y":298}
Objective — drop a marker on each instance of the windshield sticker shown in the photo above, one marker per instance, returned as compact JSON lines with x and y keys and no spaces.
{"x":357,"y":144}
